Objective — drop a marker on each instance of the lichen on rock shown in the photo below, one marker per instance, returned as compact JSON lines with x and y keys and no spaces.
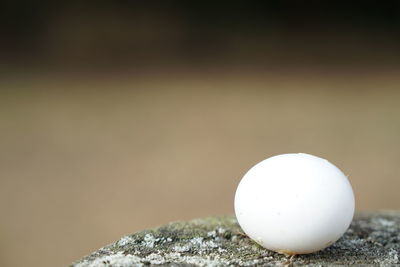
{"x":373,"y":238}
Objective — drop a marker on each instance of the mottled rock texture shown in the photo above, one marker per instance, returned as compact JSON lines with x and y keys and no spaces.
{"x":373,"y":239}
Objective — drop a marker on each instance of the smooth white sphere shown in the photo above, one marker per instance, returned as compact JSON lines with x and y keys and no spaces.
{"x":294,"y":203}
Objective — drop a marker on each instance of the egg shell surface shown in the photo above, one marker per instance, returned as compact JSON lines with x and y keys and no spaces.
{"x":294,"y":203}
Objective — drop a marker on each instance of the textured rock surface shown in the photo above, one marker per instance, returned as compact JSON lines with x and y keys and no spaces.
{"x":373,"y":238}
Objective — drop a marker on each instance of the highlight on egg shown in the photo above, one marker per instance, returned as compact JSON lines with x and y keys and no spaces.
{"x":294,"y":203}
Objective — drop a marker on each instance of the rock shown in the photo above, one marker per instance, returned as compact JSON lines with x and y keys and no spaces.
{"x":373,"y":238}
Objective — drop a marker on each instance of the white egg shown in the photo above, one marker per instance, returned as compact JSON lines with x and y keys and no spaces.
{"x":294,"y":203}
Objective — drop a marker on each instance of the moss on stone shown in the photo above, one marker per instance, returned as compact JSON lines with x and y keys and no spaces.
{"x":373,"y":238}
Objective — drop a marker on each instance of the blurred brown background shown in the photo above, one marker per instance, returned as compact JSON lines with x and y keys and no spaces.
{"x":118,"y":116}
